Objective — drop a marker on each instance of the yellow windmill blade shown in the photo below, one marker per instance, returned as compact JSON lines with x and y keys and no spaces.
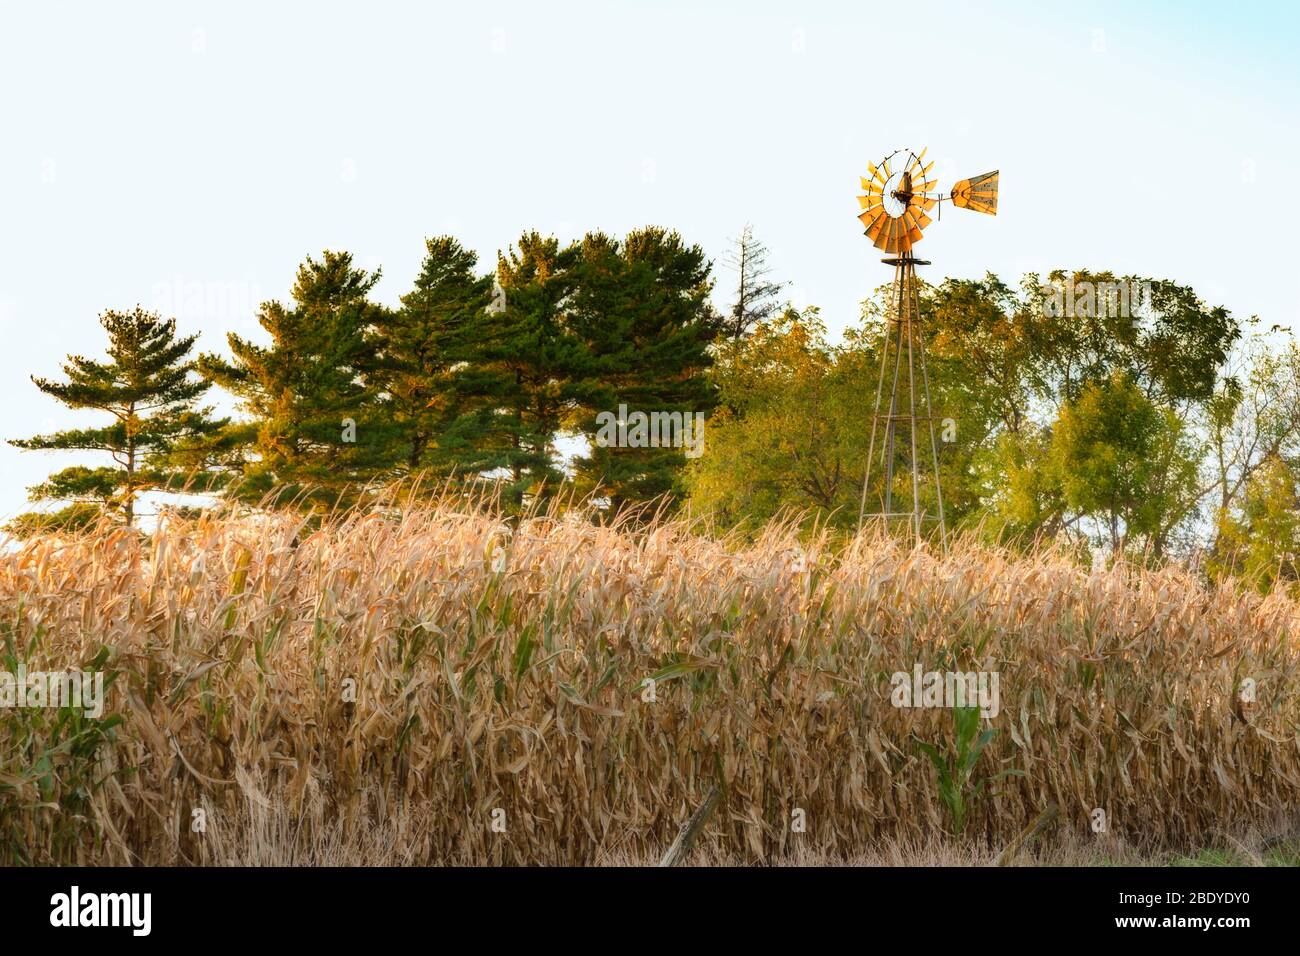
{"x":869,"y":185}
{"x":868,"y":202}
{"x":869,"y":218}
{"x":896,"y":233}
{"x":876,"y":225}
{"x":912,"y":233}
{"x":979,"y":193}
{"x":885,"y":230}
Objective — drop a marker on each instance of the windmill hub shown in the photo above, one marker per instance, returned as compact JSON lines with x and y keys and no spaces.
{"x":904,"y":191}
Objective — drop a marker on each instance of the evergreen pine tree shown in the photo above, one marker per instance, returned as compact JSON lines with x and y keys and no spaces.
{"x":316,"y":434}
{"x":418,"y":351}
{"x":642,"y":309}
{"x":516,"y":385}
{"x":158,"y":433}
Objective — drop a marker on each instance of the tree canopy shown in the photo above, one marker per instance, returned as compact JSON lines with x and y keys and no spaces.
{"x":1120,"y":412}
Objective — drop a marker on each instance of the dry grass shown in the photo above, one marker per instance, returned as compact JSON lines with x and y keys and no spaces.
{"x":269,"y":834}
{"x":500,"y":669}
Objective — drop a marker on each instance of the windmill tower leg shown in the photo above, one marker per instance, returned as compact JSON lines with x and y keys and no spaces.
{"x":887,"y":448}
{"x":891,"y":423}
{"x":875,"y":421}
{"x":909,"y":291}
{"x":929,"y":414}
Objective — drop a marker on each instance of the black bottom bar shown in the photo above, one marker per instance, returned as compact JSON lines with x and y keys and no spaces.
{"x":232,"y":907}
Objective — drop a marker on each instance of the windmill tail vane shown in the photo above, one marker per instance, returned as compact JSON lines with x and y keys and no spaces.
{"x":898,"y":196}
{"x":979,"y":193}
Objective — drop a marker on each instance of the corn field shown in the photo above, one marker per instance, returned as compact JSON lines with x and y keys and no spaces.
{"x":476,"y":689}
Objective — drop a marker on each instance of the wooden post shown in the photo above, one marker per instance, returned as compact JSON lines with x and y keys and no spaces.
{"x":1031,"y":833}
{"x":690,"y":830}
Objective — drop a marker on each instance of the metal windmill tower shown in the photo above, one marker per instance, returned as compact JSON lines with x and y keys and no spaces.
{"x":894,"y":209}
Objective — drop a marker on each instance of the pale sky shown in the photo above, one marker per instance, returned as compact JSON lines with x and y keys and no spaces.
{"x":188,"y":156}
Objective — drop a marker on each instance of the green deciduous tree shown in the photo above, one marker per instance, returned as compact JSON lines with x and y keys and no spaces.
{"x":788,"y":434}
{"x":1260,"y":541}
{"x":1169,"y":342}
{"x":1028,"y":356}
{"x":1023,"y":496}
{"x":1253,"y":417}
{"x":978,"y":335}
{"x":1122,"y":460}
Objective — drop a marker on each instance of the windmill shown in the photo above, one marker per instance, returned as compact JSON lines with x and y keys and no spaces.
{"x":895,"y":209}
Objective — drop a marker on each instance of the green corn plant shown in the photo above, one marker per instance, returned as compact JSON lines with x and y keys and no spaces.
{"x":960,"y":787}
{"x":50,"y":765}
